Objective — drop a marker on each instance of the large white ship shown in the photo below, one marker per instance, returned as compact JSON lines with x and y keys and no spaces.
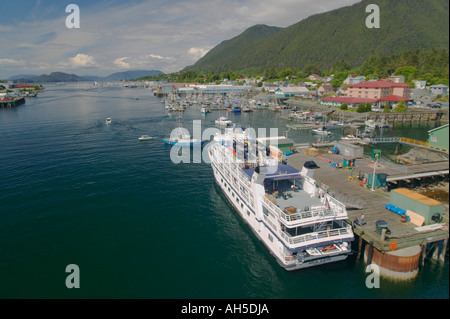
{"x":301,"y":225}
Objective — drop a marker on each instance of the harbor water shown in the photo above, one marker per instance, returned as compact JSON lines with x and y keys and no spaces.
{"x":74,"y":190}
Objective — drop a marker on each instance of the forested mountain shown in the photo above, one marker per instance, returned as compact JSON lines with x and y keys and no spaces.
{"x":338,"y":35}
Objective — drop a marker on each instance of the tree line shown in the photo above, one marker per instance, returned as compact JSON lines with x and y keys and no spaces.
{"x":431,"y":66}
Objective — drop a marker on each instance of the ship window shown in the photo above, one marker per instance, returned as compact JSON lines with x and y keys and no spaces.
{"x":248,"y":213}
{"x":270,"y":237}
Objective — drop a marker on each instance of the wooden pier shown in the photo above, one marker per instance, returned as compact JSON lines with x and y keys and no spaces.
{"x":392,"y":117}
{"x":12,"y":102}
{"x":363,"y":203}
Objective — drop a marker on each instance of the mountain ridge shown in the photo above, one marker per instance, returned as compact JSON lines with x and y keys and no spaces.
{"x":66,"y":77}
{"x":336,"y":35}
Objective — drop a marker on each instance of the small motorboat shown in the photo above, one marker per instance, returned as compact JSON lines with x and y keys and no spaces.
{"x":223,"y":121}
{"x":108,"y":120}
{"x":145,"y":138}
{"x":181,"y":138}
{"x":321,"y":131}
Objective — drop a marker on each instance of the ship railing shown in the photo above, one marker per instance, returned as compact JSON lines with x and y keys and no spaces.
{"x":315,"y":213}
{"x":241,"y":178}
{"x":287,"y":257}
{"x":317,"y":237}
{"x":337,"y":205}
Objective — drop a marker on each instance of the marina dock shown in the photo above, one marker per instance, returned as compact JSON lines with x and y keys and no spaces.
{"x":12,"y":102}
{"x":363,"y":201}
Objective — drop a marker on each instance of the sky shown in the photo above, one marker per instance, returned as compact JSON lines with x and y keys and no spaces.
{"x":115,"y":36}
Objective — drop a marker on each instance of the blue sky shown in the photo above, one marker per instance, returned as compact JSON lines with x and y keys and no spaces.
{"x":116,"y":36}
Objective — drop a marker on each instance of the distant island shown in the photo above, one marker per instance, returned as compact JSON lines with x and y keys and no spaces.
{"x":65,"y":77}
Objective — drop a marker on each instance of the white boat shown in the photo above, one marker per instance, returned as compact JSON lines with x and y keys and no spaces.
{"x":145,"y":138}
{"x":108,"y":120}
{"x":301,"y":225}
{"x":180,"y":137}
{"x":204,"y":110}
{"x":223,"y":121}
{"x":350,"y":138}
{"x":371,"y":124}
{"x":321,"y":131}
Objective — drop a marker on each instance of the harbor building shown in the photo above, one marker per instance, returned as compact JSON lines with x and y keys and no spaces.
{"x":415,"y":203}
{"x":291,"y":91}
{"x":439,"y":137}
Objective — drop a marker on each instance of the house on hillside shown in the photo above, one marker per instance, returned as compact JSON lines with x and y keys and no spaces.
{"x":326,"y":89}
{"x":315,"y":77}
{"x":354,"y":79}
{"x":420,"y":84}
{"x":397,"y":78}
{"x":439,"y":89}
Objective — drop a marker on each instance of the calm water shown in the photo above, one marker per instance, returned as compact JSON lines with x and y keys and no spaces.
{"x":76,"y":191}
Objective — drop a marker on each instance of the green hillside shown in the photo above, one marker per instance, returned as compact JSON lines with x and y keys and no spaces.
{"x":338,"y":35}
{"x":222,"y":57}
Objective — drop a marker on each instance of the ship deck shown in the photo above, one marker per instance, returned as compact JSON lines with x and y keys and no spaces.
{"x":287,"y":198}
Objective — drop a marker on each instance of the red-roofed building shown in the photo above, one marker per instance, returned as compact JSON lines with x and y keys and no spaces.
{"x":379,"y":89}
{"x":394,"y":98}
{"x":352,"y":102}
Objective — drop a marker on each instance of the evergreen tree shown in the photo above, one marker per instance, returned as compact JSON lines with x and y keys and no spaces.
{"x":401,"y":107}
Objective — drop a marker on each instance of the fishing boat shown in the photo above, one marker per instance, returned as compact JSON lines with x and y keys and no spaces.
{"x":301,"y":225}
{"x":235,"y":109}
{"x":204,"y":110}
{"x":108,"y":120}
{"x":145,"y":138}
{"x":246,"y":108}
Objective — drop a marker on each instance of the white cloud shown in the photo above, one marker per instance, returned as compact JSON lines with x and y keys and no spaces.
{"x":135,"y":35}
{"x":8,"y":61}
{"x":197,"y":53}
{"x":148,"y":61}
{"x":121,"y":63}
{"x":83,"y":60}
